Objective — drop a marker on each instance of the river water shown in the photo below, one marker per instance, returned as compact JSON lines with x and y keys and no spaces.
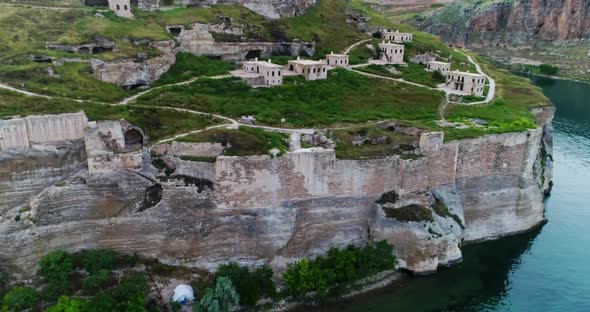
{"x":544,"y":270}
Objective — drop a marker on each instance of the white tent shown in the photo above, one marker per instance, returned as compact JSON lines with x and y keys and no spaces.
{"x":183,"y":293}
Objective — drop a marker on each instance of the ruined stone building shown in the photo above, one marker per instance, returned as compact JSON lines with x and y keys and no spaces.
{"x":311,"y":70}
{"x":39,"y":130}
{"x":263,"y":73}
{"x":391,"y":53}
{"x":466,"y":82}
{"x":113,"y":145}
{"x":121,"y":7}
{"x":396,"y":36}
{"x":337,"y":60}
{"x":442,"y":67}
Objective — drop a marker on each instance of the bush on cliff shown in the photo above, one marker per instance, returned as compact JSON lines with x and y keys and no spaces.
{"x":338,"y":270}
{"x":223,"y":298}
{"x":251,"y":286}
{"x":548,"y":69}
{"x":56,"y":268}
{"x":20,"y":299}
{"x":67,"y":304}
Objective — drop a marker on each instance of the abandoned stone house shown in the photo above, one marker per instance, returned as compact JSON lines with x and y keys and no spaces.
{"x":309,"y":69}
{"x":466,"y":82}
{"x":391,"y":53}
{"x":397,"y":37}
{"x":262,"y":73}
{"x":337,"y":60}
{"x":121,"y":8}
{"x":442,"y":67}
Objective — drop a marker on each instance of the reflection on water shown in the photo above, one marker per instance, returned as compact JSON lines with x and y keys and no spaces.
{"x":544,"y":270}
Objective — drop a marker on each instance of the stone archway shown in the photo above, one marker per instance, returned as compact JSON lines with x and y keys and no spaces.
{"x":133,"y":138}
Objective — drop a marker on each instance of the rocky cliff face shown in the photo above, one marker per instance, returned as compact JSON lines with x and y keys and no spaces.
{"x":268,"y":8}
{"x":259,"y":209}
{"x":510,"y":22}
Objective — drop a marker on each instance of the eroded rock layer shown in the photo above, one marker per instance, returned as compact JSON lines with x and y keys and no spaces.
{"x":511,"y":22}
{"x":259,"y":209}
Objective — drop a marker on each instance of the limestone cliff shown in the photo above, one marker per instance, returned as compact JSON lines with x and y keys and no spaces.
{"x":510,"y":22}
{"x":260,"y":209}
{"x":267,"y":8}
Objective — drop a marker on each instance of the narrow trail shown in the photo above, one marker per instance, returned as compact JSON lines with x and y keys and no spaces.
{"x":347,"y":50}
{"x":132,"y":98}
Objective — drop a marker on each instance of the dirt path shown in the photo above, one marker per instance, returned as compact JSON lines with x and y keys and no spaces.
{"x":354,"y":46}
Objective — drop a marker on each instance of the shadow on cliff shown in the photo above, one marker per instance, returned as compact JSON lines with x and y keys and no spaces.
{"x":480,"y":281}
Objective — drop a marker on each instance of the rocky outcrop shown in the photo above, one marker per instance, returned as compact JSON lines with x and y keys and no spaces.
{"x":131,"y":73}
{"x":268,"y":8}
{"x":260,"y":209}
{"x":510,"y":22}
{"x":98,"y":45}
{"x":200,"y":40}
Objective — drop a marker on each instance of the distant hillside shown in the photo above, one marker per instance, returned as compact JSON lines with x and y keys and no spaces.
{"x":509,"y":22}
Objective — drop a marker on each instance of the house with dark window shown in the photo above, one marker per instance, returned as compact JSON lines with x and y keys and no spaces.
{"x":311,"y":70}
{"x":466,"y":82}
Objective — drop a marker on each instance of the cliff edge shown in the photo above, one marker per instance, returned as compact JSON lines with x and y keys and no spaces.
{"x":260,"y":209}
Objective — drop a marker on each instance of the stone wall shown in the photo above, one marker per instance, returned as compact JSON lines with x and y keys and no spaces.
{"x":260,"y":209}
{"x":192,"y":149}
{"x":23,"y":132}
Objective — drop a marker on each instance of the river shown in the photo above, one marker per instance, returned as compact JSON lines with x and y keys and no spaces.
{"x":547,"y":269}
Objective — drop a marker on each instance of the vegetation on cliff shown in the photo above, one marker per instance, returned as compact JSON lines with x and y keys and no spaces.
{"x":157,"y":123}
{"x":345,"y":97}
{"x":245,"y":141}
{"x":338,"y":270}
{"x":129,"y":281}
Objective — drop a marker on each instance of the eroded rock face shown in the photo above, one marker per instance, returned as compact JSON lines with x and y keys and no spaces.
{"x":200,"y":40}
{"x":132,"y":74}
{"x":510,"y":22}
{"x":259,"y":209}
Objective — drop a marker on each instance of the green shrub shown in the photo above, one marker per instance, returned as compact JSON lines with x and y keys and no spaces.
{"x":96,"y":281}
{"x":223,"y":298}
{"x":249,"y":285}
{"x":411,"y":212}
{"x":189,"y":65}
{"x":19,"y":299}
{"x":67,"y":304}
{"x":338,"y":270}
{"x":94,"y":260}
{"x":55,"y":269}
{"x":437,"y":76}
{"x":131,"y":293}
{"x":548,"y":69}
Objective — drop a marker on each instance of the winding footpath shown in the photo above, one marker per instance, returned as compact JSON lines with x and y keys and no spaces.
{"x":230,"y":123}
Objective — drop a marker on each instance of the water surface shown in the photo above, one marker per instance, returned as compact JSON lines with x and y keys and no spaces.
{"x":544,"y":270}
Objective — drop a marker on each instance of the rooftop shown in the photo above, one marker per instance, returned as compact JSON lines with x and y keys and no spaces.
{"x":396,"y":32}
{"x":440,"y":63}
{"x":458,"y":72}
{"x":306,"y":62}
{"x":263,"y":63}
{"x":391,"y":44}
{"x":334,"y":54}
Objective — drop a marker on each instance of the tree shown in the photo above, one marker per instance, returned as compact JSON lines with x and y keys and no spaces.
{"x":223,"y":298}
{"x":67,"y":304}
{"x":437,"y":76}
{"x":19,"y":299}
{"x":548,"y":69}
{"x":56,"y":267}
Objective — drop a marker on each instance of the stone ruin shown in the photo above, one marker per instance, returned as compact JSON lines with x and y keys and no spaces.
{"x":36,"y":131}
{"x":114,"y":145}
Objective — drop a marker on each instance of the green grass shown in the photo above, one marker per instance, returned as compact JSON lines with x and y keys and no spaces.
{"x":245,"y":141}
{"x":158,"y":123}
{"x":189,"y":65}
{"x":72,"y":80}
{"x":326,"y":24}
{"x":362,"y":54}
{"x":345,"y":97}
{"x":395,"y":143}
{"x":409,"y":213}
